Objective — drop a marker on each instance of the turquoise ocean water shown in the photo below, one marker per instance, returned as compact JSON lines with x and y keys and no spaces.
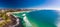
{"x":39,"y":18}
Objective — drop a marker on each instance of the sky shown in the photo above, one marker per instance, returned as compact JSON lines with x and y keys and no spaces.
{"x":54,"y":4}
{"x":30,"y":4}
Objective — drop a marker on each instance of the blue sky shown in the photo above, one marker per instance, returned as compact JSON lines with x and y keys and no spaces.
{"x":54,"y":4}
{"x":29,"y":3}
